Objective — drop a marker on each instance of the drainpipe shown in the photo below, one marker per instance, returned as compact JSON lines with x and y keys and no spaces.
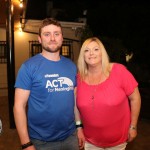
{"x":10,"y":59}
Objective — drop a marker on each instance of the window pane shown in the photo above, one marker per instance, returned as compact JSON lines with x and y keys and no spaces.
{"x":3,"y":52}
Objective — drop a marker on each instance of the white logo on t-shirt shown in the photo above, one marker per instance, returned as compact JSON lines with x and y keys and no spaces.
{"x":59,"y":84}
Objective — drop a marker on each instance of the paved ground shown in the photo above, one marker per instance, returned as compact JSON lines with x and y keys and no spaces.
{"x":9,"y":139}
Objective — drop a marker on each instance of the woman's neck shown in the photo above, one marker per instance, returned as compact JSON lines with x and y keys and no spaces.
{"x":94,"y":75}
{"x":94,"y":71}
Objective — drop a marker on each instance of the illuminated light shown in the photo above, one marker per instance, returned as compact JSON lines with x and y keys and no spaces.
{"x":12,"y":8}
{"x":20,"y":29}
{"x":21,"y":3}
{"x":20,"y":33}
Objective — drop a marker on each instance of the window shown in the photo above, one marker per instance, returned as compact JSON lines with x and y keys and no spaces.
{"x":3,"y":52}
{"x":34,"y":48}
{"x":66,"y":49}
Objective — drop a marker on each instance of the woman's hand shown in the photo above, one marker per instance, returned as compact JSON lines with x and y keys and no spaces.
{"x":81,"y":138}
{"x":132,"y":134}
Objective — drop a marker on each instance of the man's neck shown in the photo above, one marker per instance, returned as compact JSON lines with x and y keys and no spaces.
{"x":51,"y":56}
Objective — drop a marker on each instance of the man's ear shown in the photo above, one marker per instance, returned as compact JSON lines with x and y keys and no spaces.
{"x":39,"y":39}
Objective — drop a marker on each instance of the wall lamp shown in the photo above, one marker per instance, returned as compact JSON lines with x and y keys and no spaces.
{"x":21,"y":3}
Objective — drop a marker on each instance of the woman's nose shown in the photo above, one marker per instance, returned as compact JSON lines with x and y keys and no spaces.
{"x":91,"y":52}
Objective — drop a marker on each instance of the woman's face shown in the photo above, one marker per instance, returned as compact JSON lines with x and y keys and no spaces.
{"x":92,"y":54}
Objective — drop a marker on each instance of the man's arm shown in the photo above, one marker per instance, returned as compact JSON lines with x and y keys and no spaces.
{"x":20,"y":107}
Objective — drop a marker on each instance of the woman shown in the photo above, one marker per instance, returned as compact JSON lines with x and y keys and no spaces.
{"x":108,"y":99}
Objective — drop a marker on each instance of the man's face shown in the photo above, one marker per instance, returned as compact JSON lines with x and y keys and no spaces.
{"x":51,"y":38}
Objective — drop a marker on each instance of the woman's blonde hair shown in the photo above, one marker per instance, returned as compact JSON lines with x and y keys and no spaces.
{"x":82,"y":66}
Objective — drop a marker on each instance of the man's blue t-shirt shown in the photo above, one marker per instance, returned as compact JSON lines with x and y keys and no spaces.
{"x":51,"y":101}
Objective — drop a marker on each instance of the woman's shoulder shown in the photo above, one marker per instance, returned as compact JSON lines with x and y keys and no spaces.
{"x":118,"y":69}
{"x":117,"y":66}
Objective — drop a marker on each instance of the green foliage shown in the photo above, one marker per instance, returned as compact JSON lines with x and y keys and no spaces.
{"x":115,"y":49}
{"x":86,"y":33}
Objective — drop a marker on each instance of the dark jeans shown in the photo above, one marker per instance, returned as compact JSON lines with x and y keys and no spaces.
{"x":71,"y":143}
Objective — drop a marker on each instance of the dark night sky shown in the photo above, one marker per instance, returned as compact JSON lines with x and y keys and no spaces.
{"x":127,"y":20}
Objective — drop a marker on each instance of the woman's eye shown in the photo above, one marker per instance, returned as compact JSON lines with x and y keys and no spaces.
{"x":86,"y":50}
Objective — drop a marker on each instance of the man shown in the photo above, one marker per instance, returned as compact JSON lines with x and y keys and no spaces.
{"x":45,"y":92}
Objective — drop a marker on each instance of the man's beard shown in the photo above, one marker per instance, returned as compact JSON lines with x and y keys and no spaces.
{"x":48,"y":49}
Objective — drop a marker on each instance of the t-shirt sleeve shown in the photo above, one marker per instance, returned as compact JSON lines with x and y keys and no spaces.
{"x":128,"y":82}
{"x":74,"y":70}
{"x":23,"y":79}
{"x":75,"y":77}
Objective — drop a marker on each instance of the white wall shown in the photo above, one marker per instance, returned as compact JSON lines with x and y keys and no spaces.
{"x":2,"y":34}
{"x":22,"y":47}
{"x":70,"y":33}
{"x":3,"y":80}
{"x":21,"y":51}
{"x":3,"y":68}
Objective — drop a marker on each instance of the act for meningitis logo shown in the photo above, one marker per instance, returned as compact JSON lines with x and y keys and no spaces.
{"x":58,"y":84}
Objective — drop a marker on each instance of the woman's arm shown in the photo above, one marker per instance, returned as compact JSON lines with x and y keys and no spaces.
{"x":135,"y":103}
{"x":80,"y":133}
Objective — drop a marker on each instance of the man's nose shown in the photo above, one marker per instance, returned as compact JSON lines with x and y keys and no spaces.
{"x":52,"y":37}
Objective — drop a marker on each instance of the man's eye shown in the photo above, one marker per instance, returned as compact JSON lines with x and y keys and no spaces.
{"x":46,"y":34}
{"x":56,"y":34}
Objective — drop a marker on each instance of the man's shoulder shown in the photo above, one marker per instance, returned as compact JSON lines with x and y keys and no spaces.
{"x":67,"y":60}
{"x":33,"y":60}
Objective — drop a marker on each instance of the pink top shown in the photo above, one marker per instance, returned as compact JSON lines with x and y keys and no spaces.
{"x":106,"y":117}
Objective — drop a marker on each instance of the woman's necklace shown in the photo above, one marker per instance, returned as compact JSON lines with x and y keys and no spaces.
{"x":93,"y":86}
{"x":93,"y":91}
